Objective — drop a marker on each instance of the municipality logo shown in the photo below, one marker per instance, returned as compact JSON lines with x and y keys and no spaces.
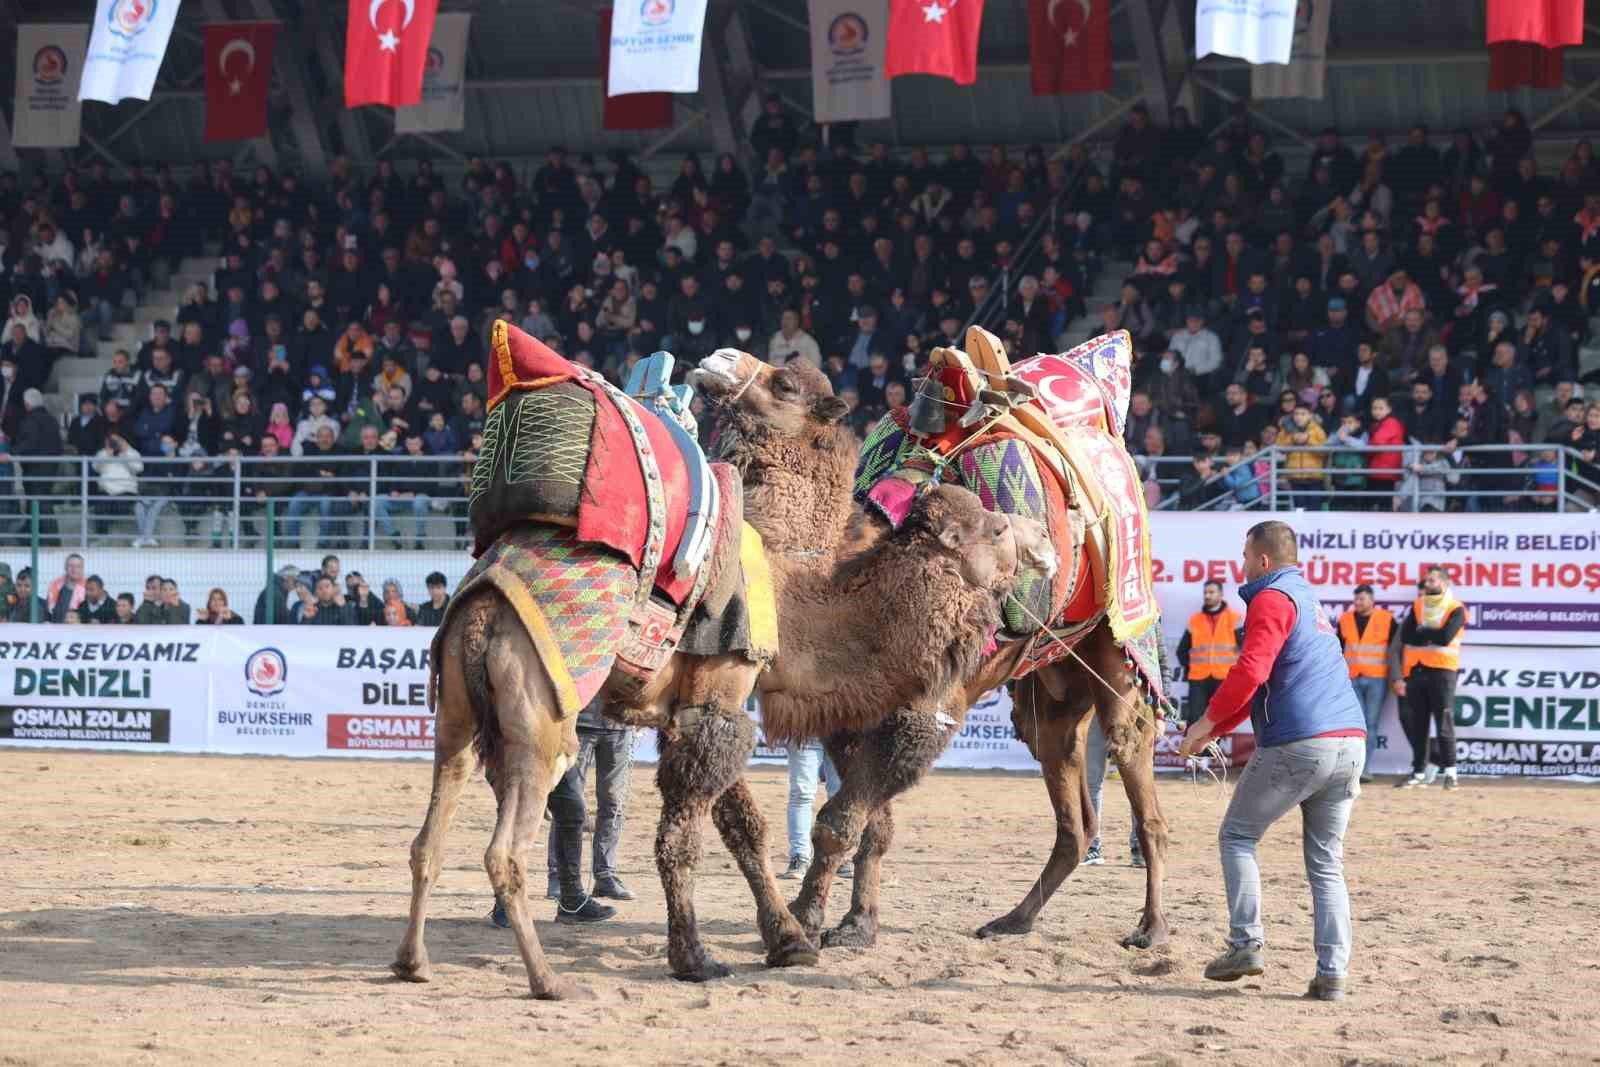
{"x":847,"y":34}
{"x":129,"y":18}
{"x":49,"y":66}
{"x":656,"y":13}
{"x":433,"y":66}
{"x":266,"y":672}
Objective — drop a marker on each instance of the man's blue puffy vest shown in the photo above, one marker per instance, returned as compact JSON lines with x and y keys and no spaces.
{"x":1308,"y":692}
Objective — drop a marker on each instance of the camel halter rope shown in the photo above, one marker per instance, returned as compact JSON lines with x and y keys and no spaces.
{"x":1212,"y":750}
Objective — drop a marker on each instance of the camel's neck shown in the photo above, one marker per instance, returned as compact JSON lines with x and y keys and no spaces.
{"x":801,"y":503}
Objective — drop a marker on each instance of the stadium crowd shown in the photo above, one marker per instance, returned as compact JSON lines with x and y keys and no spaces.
{"x":1395,"y":296}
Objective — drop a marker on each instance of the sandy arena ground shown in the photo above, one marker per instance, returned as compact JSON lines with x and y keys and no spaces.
{"x":216,"y":910}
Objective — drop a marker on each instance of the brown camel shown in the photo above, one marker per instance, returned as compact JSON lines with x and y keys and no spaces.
{"x":953,"y":561}
{"x":890,"y":750}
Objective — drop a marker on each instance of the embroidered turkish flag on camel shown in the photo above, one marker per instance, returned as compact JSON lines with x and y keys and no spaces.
{"x":385,"y":50}
{"x":934,"y":37}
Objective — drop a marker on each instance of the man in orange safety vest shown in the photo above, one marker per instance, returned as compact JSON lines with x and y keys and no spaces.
{"x":1365,"y":632}
{"x":1430,"y":651}
{"x":1208,"y":648}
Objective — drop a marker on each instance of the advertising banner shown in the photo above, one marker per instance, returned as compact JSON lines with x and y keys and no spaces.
{"x":1257,"y":31}
{"x":1526,"y":579}
{"x":655,"y":47}
{"x":79,"y":687}
{"x":847,"y":42}
{"x":317,"y":691}
{"x":47,"y":112}
{"x":444,"y":80}
{"x":126,"y":47}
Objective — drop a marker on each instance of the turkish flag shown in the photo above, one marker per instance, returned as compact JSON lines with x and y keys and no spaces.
{"x":1551,"y":23}
{"x":1517,"y":64}
{"x":385,"y":49}
{"x":630,"y":111}
{"x":1069,"y":46}
{"x":933,"y":37}
{"x":238,"y":78}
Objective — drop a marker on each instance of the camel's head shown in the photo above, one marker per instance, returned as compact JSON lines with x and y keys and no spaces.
{"x":983,"y":545}
{"x":1034,"y":550}
{"x":749,"y":399}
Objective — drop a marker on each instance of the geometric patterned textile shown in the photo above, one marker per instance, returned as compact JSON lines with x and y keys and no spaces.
{"x":1004,"y":476}
{"x":573,"y":599}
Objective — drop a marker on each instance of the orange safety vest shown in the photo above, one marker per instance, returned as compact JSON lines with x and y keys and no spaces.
{"x":1444,"y":657}
{"x":1367,"y":654}
{"x":1212,"y":644}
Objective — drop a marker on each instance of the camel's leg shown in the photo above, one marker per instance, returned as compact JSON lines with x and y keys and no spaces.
{"x":697,"y":766}
{"x":452,"y":765}
{"x":1131,"y":727}
{"x":522,"y":785}
{"x":744,"y":831}
{"x":876,"y":838}
{"x":1058,"y":734}
{"x":892,"y":758}
{"x":536,"y":747}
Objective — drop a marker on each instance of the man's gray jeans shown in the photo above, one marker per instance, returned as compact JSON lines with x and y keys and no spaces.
{"x":1322,"y":776}
{"x":1371,"y":691}
{"x":610,"y":753}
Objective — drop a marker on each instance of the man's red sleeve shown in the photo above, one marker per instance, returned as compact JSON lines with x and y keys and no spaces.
{"x":1266,"y":627}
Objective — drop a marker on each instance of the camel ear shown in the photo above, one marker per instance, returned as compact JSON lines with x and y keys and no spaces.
{"x":951,"y":537}
{"x":829,"y":409}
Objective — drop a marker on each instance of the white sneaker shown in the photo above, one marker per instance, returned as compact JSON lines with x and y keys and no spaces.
{"x":1450,"y":781}
{"x":1431,"y":774}
{"x":1416,"y":781}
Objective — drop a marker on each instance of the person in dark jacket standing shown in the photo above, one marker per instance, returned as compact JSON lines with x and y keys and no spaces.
{"x":1310,"y":751}
{"x":39,"y":434}
{"x":327,"y":610}
{"x":431,"y":611}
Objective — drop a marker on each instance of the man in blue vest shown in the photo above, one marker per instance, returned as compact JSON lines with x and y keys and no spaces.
{"x":1310,"y":751}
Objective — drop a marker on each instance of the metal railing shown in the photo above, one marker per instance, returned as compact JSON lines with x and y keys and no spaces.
{"x":1529,"y":478}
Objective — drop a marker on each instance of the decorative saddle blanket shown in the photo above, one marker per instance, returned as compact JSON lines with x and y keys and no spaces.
{"x":601,"y":523}
{"x":563,"y":445}
{"x":1056,"y":458}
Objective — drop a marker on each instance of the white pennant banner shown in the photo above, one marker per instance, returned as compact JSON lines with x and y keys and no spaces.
{"x":126,"y":48}
{"x":444,"y":76}
{"x":48,"y":113}
{"x":655,"y":46}
{"x":847,"y":42}
{"x":1306,"y":73}
{"x":1257,"y":31}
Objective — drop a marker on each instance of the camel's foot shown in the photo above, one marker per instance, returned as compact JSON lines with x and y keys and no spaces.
{"x":702,"y":967}
{"x":415,"y":968}
{"x":853,"y":931}
{"x":1149,"y":934}
{"x":1012,"y":925}
{"x":809,"y":913}
{"x":557,"y":988}
{"x":794,"y":951}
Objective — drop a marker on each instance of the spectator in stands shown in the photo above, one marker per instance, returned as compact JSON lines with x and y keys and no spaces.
{"x":274,"y":603}
{"x":22,"y":604}
{"x":1386,"y":430}
{"x":152,"y":611}
{"x":29,"y":357}
{"x":125,"y":615}
{"x":86,"y":431}
{"x":431,"y":612}
{"x":98,"y":607}
{"x":1200,"y":348}
{"x":10,"y":398}
{"x":38,"y":435}
{"x":1303,"y":470}
{"x":364,"y":607}
{"x":321,"y":485}
{"x":217,"y":612}
{"x":328,"y":609}
{"x":67,"y":590}
{"x":178,"y":611}
{"x":63,"y":328}
{"x":121,"y":383}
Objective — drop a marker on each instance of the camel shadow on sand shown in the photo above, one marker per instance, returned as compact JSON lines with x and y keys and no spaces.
{"x":286,"y":953}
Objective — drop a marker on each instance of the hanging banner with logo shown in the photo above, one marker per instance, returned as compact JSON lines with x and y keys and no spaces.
{"x":631,"y":111}
{"x":47,"y":112}
{"x":238,"y":79}
{"x":118,"y":688}
{"x":126,"y":46}
{"x":444,"y":80}
{"x":655,"y":47}
{"x":847,"y":44}
{"x":1257,"y":31}
{"x":1306,"y":73}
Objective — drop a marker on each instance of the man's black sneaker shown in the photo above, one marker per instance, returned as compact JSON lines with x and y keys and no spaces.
{"x":587,"y":910}
{"x":612,"y":888}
